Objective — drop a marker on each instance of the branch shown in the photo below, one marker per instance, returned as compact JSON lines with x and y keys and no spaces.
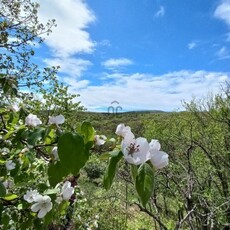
{"x":178,"y":225}
{"x":142,"y":209}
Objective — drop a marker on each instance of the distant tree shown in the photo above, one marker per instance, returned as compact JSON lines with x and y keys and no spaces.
{"x":20,"y":32}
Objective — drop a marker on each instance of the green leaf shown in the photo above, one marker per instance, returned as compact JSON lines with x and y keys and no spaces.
{"x":8,"y":135}
{"x":5,"y":220}
{"x":15,"y":171}
{"x":56,"y":172}
{"x":144,"y":183}
{"x":48,"y":218}
{"x":10,"y":197}
{"x":88,"y":131}
{"x":49,"y":135}
{"x":51,"y":191}
{"x":104,"y":156}
{"x":114,"y":153}
{"x":134,"y":172}
{"x":3,"y":170}
{"x":110,"y":171}
{"x":19,"y":134}
{"x":13,"y":119}
{"x":2,"y":190}
{"x":36,"y":135}
{"x":72,"y":152}
{"x":25,"y":225}
{"x":63,"y":207}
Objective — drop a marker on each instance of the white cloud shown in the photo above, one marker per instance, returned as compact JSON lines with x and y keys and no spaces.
{"x":105,"y":43}
{"x":116,"y":63}
{"x":75,"y":85}
{"x":223,"y":11}
{"x":223,"y":53}
{"x":160,"y":12}
{"x":73,"y":67}
{"x":192,"y":45}
{"x":149,"y":92}
{"x":72,"y":18}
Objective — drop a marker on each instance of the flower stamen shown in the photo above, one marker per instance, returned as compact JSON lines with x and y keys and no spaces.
{"x":132,"y":148}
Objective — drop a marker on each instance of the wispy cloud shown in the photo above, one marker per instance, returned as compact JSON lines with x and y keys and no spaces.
{"x":70,"y":36}
{"x":148,"y":92}
{"x":104,"y":42}
{"x":160,"y":12}
{"x":223,"y":53}
{"x":115,"y":63}
{"x":192,"y":45}
{"x":223,"y":11}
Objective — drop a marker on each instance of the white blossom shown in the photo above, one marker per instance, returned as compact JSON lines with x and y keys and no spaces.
{"x":30,"y":196}
{"x":42,"y":206}
{"x":67,"y":191}
{"x":8,"y":184}
{"x":100,"y":139}
{"x":159,"y":159}
{"x":55,"y":153}
{"x":136,"y":151}
{"x":10,"y":165}
{"x":5,"y":151}
{"x":60,"y":119}
{"x":32,"y":120}
{"x":14,"y":107}
{"x":122,"y":130}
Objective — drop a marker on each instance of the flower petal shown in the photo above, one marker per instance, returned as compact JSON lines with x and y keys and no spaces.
{"x":159,"y":159}
{"x":42,"y":213}
{"x":35,"y":207}
{"x":154,"y":144}
{"x":122,"y":130}
{"x":137,"y":151}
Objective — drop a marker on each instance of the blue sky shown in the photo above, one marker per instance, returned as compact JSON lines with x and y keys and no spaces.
{"x":147,"y":55}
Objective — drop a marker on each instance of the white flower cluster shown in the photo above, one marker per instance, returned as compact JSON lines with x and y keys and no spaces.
{"x":100,"y":139}
{"x":14,"y":107}
{"x":137,"y":150}
{"x":65,"y":192}
{"x":58,"y":120}
{"x":10,"y":165}
{"x":4,"y":151}
{"x":42,"y":204}
{"x":32,"y":120}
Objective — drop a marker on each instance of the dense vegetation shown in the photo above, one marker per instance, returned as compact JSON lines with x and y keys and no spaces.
{"x":192,"y":192}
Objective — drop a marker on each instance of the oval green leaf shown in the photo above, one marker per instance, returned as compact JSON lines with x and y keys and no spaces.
{"x":2,"y":190}
{"x":72,"y":152}
{"x":144,"y":183}
{"x":110,"y":171}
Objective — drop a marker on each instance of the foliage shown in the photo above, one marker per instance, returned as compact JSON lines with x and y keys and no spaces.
{"x":41,"y":162}
{"x":20,"y":31}
{"x":194,"y":191}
